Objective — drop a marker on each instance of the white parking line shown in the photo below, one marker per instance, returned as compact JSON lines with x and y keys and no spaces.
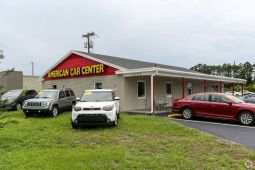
{"x":205,"y":122}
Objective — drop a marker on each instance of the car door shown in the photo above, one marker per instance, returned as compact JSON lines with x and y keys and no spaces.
{"x":61,"y":100}
{"x":220,"y":107}
{"x":201,"y":104}
{"x":69,"y":100}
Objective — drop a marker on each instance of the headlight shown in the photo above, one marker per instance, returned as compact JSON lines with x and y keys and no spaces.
{"x":45,"y":103}
{"x":77,"y":108}
{"x":108,"y":108}
{"x":25,"y":103}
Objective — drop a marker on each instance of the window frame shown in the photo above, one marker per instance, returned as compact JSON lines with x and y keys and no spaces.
{"x":54,"y":85}
{"x":214,"y":88}
{"x":169,"y":95}
{"x":98,"y":82}
{"x":137,"y":84}
{"x":67,"y":91}
{"x":188,"y":88}
{"x":63,"y":93}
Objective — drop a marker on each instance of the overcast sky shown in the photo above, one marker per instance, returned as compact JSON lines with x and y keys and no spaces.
{"x":174,"y":32}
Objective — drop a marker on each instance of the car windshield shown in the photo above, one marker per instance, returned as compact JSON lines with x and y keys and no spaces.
{"x":97,"y":96}
{"x":47,"y":94}
{"x":11,"y":95}
{"x":235,"y":99}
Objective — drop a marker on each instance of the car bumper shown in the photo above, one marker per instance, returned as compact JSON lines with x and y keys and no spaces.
{"x":39,"y":111}
{"x":99,"y":117}
{"x":176,"y":110}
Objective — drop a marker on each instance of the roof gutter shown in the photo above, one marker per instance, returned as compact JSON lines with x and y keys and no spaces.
{"x":184,"y":74}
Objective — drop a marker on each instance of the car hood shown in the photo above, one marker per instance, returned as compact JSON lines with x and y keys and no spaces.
{"x":94,"y":104}
{"x":39,"y":100}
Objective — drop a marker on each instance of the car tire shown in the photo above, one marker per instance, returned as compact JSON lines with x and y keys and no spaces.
{"x":187,"y":113}
{"x":54,"y":111}
{"x":74,"y":126}
{"x":115,"y":122}
{"x":18,"y":106}
{"x":246,"y":118}
{"x":28,"y":114}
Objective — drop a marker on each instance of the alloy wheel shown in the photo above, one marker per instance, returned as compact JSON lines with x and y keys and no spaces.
{"x":18,"y":106}
{"x":246,"y":118}
{"x":54,"y":111}
{"x":187,"y":113}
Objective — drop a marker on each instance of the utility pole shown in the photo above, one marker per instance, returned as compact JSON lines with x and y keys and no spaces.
{"x":32,"y":68}
{"x":1,"y":54}
{"x":89,"y":44}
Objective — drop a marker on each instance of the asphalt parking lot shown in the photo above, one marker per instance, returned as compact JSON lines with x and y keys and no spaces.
{"x":244,"y":135}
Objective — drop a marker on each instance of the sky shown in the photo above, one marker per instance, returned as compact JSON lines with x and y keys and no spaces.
{"x":173,"y":32}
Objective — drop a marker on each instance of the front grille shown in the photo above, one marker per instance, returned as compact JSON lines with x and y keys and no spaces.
{"x":92,"y":118}
{"x":96,"y":108}
{"x":34,"y":104}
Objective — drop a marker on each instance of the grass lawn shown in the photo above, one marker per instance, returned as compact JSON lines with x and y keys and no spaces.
{"x":138,"y":142}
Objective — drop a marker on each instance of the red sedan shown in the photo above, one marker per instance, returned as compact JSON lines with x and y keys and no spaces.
{"x":215,"y":105}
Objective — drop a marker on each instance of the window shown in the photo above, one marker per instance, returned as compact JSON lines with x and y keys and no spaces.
{"x":72,"y":93}
{"x":98,"y":85}
{"x":200,"y":98}
{"x":220,"y":99}
{"x":215,"y":88}
{"x":168,"y":89}
{"x":141,"y":90}
{"x":67,"y":93}
{"x":189,"y":88}
{"x":61,"y":94}
{"x":54,"y":86}
{"x":30,"y":93}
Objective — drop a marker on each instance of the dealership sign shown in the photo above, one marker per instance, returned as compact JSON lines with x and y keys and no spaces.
{"x":77,"y":71}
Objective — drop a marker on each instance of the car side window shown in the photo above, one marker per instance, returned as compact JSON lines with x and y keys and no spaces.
{"x":61,"y":94}
{"x":67,"y":93}
{"x":30,"y":93}
{"x":219,"y":99}
{"x":72,"y":93}
{"x":200,"y":98}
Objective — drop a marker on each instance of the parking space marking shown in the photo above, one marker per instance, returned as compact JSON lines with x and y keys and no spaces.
{"x":214,"y":123}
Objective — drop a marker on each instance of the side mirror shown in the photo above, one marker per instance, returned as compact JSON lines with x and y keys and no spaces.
{"x":116,"y":98}
{"x":230,"y":103}
{"x":78,"y":99}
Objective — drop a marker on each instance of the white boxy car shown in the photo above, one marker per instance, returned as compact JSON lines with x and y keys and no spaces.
{"x":97,"y":106}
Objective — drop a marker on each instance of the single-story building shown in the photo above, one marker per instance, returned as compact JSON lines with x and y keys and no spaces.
{"x":11,"y":80}
{"x":140,"y":85}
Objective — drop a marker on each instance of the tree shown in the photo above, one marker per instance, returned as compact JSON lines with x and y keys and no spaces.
{"x":244,"y":71}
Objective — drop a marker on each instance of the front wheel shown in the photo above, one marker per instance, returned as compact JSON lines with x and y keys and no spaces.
{"x":187,"y":113}
{"x":246,"y":118}
{"x":74,"y":126}
{"x":115,"y":122}
{"x":54,"y":111}
{"x":18,"y":106}
{"x":28,"y":114}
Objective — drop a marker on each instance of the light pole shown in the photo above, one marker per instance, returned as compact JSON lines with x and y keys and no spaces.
{"x":32,"y":68}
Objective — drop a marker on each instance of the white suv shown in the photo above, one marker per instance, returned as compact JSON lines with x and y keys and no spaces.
{"x":97,"y":106}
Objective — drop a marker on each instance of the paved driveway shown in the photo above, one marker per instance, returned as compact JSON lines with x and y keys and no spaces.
{"x":237,"y":133}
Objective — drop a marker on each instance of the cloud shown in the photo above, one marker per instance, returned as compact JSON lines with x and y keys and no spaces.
{"x":174,"y":32}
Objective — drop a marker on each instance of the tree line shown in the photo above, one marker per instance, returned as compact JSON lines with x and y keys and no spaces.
{"x":243,"y":70}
